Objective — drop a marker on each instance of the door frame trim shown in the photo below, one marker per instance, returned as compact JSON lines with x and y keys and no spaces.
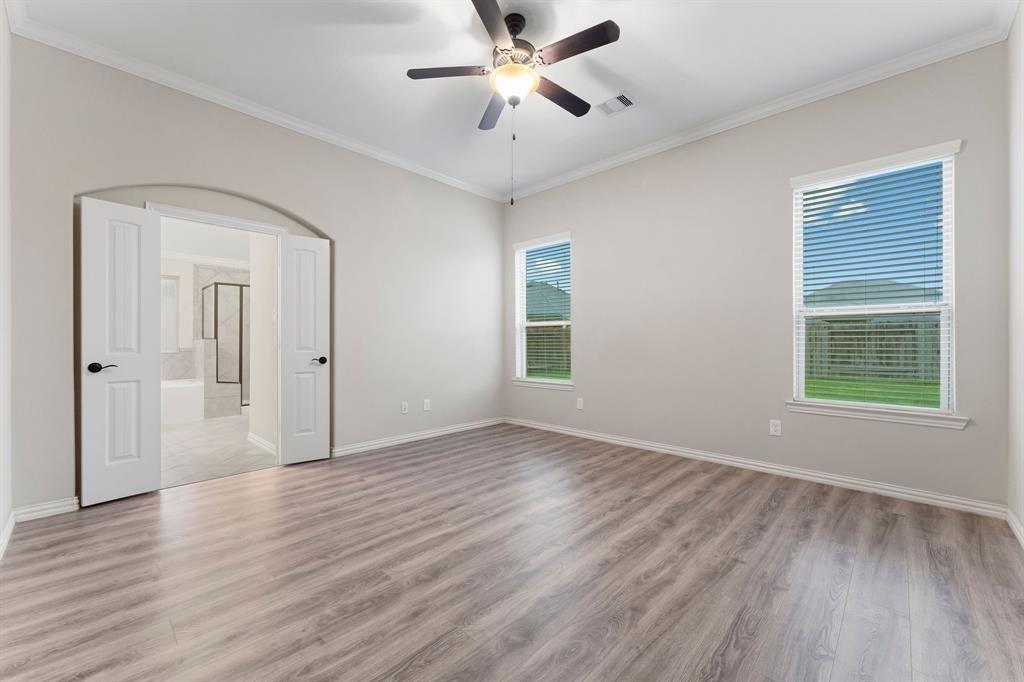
{"x":276,"y":231}
{"x":169,"y":211}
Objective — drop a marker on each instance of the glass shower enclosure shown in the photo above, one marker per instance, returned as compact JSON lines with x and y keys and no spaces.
{"x":226,"y":313}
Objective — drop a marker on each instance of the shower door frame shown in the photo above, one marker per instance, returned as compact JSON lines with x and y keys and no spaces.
{"x":241,"y":336}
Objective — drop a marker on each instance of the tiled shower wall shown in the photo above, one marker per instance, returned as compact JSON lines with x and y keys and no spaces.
{"x":204,"y":275}
{"x":221,"y":399}
{"x":180,"y":365}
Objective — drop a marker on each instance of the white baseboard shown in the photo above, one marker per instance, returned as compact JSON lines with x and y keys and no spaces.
{"x":5,"y":534}
{"x":981,"y":507}
{"x":1016,"y":526}
{"x":379,"y":443}
{"x":887,"y":489}
{"x":262,"y":443}
{"x":44,"y":509}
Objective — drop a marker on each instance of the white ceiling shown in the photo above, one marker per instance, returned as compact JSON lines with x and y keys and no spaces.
{"x":336,"y":70}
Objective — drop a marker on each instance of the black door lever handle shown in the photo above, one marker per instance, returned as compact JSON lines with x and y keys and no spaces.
{"x":322,"y":360}
{"x":95,"y":367}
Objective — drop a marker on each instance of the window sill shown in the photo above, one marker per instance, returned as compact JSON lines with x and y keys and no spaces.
{"x":896,"y":415}
{"x":542,"y":383}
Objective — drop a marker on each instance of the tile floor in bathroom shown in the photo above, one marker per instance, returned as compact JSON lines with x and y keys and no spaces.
{"x":211,"y":448}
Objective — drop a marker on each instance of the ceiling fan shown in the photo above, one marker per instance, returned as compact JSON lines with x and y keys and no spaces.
{"x":514,"y":74}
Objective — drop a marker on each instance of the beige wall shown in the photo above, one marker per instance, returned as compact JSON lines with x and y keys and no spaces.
{"x":416,"y":263}
{"x":263,"y":337}
{"x":682,"y":309}
{"x":1015,"y":48}
{"x":683,"y":269}
{"x":5,"y":271}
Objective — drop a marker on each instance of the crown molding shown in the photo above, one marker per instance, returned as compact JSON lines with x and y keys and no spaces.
{"x":969,"y":42}
{"x":25,"y":27}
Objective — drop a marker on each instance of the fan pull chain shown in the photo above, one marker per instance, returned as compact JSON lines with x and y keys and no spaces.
{"x":512,"y":162}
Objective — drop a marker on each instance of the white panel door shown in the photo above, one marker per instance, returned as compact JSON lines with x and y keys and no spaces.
{"x":120,"y":343}
{"x":305,"y":341}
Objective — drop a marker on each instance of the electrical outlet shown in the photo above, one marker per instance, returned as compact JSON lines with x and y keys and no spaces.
{"x":426,"y":404}
{"x":405,"y":407}
{"x":774,"y":427}
{"x":579,"y":403}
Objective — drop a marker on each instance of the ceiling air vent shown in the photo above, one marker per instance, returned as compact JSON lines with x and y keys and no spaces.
{"x":616,"y":105}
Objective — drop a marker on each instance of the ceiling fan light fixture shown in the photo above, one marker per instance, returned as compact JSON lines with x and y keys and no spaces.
{"x":514,"y":82}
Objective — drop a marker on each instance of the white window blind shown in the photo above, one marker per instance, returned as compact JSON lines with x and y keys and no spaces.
{"x":873,"y":280}
{"x":544,"y":311}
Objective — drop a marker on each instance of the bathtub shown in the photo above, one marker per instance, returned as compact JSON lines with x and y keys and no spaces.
{"x":181,"y":400}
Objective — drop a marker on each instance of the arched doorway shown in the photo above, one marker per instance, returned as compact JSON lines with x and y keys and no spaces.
{"x":128,"y":402}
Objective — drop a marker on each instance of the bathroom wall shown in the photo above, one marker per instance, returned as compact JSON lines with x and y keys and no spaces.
{"x":180,"y":365}
{"x":184,"y":272}
{"x":263,"y":334}
{"x":219,"y":399}
{"x":209,"y":242}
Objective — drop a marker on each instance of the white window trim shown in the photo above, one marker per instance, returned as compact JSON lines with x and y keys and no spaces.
{"x":519,"y":250}
{"x":879,"y":165}
{"x":942,"y":417}
{"x":552,"y":384}
{"x":879,"y":413}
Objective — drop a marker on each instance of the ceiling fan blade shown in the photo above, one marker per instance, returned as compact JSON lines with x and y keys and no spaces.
{"x":494,"y":22}
{"x":588,"y":39}
{"x":562,"y":97}
{"x":446,"y":72}
{"x":492,"y":112}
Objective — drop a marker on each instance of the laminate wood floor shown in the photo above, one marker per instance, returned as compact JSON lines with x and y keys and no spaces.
{"x":508,"y":553}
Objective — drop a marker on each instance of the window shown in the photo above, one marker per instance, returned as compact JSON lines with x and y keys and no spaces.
{"x":169,"y":315}
{"x":544,"y":310}
{"x":873,"y":279}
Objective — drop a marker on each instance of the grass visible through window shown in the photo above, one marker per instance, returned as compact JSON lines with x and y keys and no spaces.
{"x":551,"y":375}
{"x":549,"y":353}
{"x":888,"y":391}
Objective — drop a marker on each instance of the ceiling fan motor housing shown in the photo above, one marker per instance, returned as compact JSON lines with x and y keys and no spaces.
{"x":515,"y":23}
{"x":522,"y":51}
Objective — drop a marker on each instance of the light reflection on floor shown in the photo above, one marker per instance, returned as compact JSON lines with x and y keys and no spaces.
{"x":211,"y":448}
